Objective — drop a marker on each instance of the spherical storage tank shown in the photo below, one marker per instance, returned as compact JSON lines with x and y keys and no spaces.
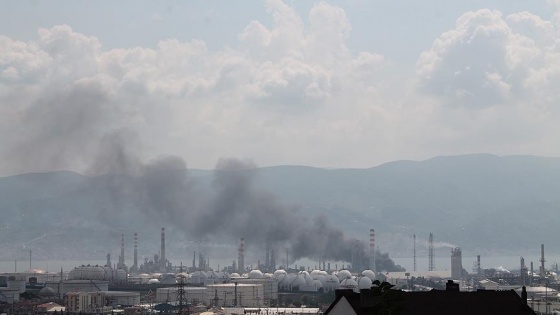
{"x":344,"y":274}
{"x":255,"y":274}
{"x":317,"y":284}
{"x":330,"y":282}
{"x":370,"y":274}
{"x":364,"y":282}
{"x":279,"y":272}
{"x":299,"y":280}
{"x":348,"y":284}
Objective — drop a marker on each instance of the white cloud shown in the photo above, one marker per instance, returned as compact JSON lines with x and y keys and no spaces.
{"x":292,"y":92}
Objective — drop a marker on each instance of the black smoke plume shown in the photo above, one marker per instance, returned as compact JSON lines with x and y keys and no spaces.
{"x":231,"y":208}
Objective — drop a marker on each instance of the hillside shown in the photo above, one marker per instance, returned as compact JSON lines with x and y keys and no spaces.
{"x":483,"y":203}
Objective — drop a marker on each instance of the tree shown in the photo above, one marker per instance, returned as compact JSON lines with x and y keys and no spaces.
{"x":390,"y":299}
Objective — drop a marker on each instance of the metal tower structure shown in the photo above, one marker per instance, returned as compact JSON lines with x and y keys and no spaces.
{"x":414,"y":250}
{"x":431,"y":254}
{"x":181,"y":301}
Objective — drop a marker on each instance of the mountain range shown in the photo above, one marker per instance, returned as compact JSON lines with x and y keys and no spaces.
{"x":482,"y":203}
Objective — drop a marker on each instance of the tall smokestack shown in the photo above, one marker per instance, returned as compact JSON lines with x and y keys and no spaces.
{"x":431,"y":255}
{"x":542,"y":271}
{"x":272,"y":260}
{"x":135,"y":251}
{"x":163,"y":262}
{"x":478,"y":269}
{"x":414,"y":250}
{"x":108,"y":260}
{"x":241,"y":256}
{"x":531,"y":279}
{"x":523,"y":271}
{"x":456,"y":264}
{"x":372,"y":250}
{"x":121,"y":258}
{"x":267,"y":259}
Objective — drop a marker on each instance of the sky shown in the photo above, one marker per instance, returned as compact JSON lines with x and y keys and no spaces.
{"x":335,"y":84}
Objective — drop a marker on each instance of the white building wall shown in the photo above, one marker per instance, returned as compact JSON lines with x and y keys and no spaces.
{"x":270,"y":287}
{"x":193,"y":295}
{"x":79,"y":286}
{"x":229,"y":294}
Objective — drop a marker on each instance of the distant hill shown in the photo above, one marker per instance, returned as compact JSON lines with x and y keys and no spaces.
{"x":483,"y":203}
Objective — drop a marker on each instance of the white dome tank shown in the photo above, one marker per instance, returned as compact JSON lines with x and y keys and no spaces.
{"x":348,"y":284}
{"x":278,"y":273}
{"x":344,"y":274}
{"x":368,"y":273}
{"x":255,"y":274}
{"x":317,"y":284}
{"x":364,"y":282}
{"x":153,"y":281}
{"x":330,"y":283}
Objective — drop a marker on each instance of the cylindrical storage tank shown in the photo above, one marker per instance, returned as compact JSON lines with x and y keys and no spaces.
{"x":87,"y":273}
{"x":16,"y":283}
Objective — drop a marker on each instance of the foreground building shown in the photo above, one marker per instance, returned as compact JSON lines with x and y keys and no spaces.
{"x":436,"y":302}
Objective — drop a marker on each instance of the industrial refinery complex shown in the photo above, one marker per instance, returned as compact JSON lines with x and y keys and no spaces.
{"x":157,"y":285}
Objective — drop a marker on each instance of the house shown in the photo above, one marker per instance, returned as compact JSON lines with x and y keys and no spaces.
{"x":49,"y":308}
{"x":435,"y":302}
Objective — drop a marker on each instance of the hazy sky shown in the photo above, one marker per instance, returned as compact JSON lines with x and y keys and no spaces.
{"x":330,"y":84}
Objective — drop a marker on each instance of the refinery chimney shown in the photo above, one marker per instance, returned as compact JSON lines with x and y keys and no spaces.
{"x":372,"y":266}
{"x":478,"y":269}
{"x":414,"y":250}
{"x":456,"y":264}
{"x":121,"y":257}
{"x":162,"y":260}
{"x":135,"y":267}
{"x":523,"y":271}
{"x":241,"y":257}
{"x":431,"y":253}
{"x":542,"y":271}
